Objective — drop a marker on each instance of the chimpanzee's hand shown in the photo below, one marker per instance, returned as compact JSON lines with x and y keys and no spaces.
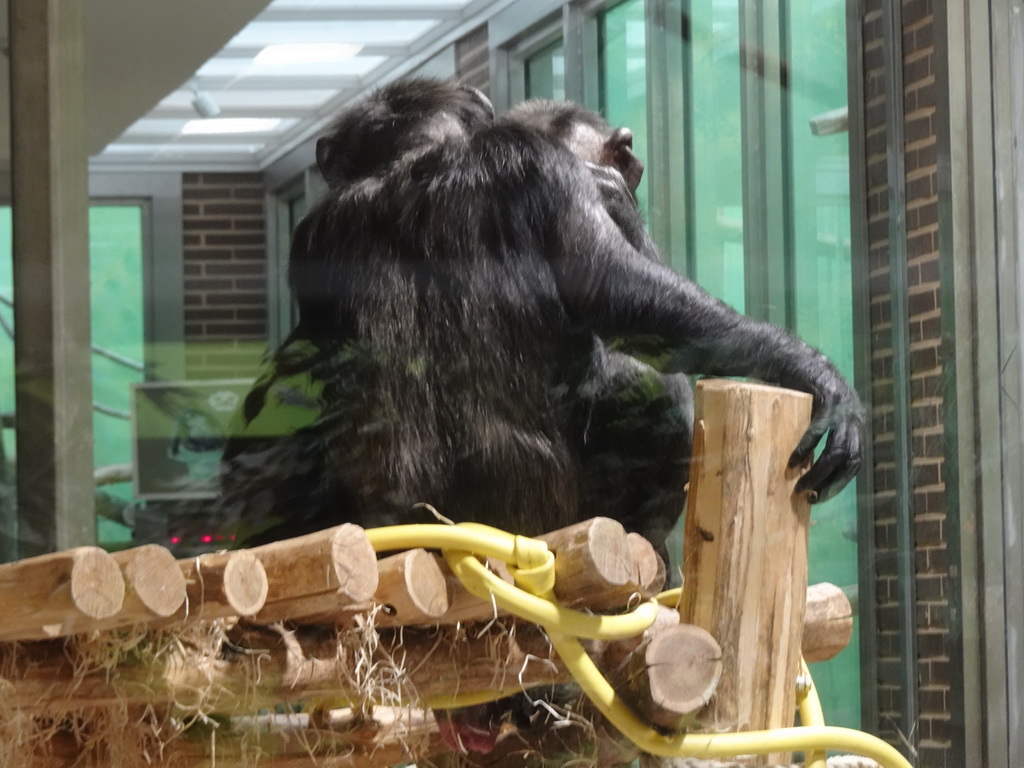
{"x":837,"y":411}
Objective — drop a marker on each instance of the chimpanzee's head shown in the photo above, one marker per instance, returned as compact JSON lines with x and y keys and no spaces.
{"x":585,"y":133}
{"x":401,"y":117}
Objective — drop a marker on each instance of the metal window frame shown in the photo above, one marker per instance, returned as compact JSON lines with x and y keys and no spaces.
{"x":860,"y":279}
{"x":1007,"y":61}
{"x":983,"y":290}
{"x":282,"y":313}
{"x":511,"y":33}
{"x":539,"y":37}
{"x":670,"y":132}
{"x":767,"y":223}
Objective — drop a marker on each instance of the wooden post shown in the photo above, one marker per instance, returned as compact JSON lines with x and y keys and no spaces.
{"x":320,"y":573}
{"x":53,"y":381}
{"x":745,"y":550}
{"x":56,"y":594}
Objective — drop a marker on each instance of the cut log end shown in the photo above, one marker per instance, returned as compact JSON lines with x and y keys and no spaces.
{"x":612,"y":555}
{"x":683,"y":664}
{"x":650,"y":573}
{"x":154,"y":579}
{"x":355,"y":563}
{"x":97,"y":586}
{"x":425,"y":584}
{"x":590,"y":558}
{"x":245,"y":583}
{"x":413,"y":588}
{"x":828,"y":623}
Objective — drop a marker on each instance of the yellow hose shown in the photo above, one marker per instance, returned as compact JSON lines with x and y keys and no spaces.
{"x":810,"y":713}
{"x":482,"y":583}
{"x":530,"y":562}
{"x":532,"y":565}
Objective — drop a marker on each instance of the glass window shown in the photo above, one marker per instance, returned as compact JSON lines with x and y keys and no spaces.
{"x":545,"y":73}
{"x":622,"y":84}
{"x":748,"y":136}
{"x":717,"y":150}
{"x":864,"y":222}
{"x":821,"y":294}
{"x":116,"y":287}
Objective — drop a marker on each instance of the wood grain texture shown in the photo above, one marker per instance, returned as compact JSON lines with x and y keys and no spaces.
{"x":745,"y":549}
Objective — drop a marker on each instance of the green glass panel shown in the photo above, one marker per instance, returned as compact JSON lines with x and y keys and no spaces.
{"x":545,"y":73}
{"x":115,"y":252}
{"x":622,"y":61}
{"x":717,"y":151}
{"x":822,"y":296}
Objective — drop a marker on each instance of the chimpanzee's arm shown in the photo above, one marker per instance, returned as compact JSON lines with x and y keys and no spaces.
{"x":656,"y":314}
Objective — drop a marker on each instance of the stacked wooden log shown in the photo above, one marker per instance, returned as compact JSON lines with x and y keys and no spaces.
{"x":322,"y":621}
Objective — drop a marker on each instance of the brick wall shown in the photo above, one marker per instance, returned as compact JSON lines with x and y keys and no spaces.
{"x":225,"y":273}
{"x":926,"y":373}
{"x":933,"y":732}
{"x":472,"y":59}
{"x":887,"y":691}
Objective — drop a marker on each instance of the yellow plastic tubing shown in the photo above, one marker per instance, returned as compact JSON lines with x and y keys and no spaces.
{"x":530,"y":562}
{"x":532,"y":565}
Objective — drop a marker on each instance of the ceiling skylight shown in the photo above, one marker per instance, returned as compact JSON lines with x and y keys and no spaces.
{"x":260,"y":34}
{"x":326,"y":6}
{"x":223,"y":125}
{"x":285,"y":54}
{"x":234,"y":66}
{"x":288,"y":72}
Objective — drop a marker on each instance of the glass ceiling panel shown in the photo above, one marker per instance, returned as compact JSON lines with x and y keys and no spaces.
{"x":233,"y":67}
{"x":183,"y":150}
{"x":267,"y":99}
{"x":148,"y":126}
{"x":330,"y":5}
{"x":259,"y":34}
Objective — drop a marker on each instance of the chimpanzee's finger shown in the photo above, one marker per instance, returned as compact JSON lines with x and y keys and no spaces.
{"x":836,"y":466}
{"x":809,"y":441}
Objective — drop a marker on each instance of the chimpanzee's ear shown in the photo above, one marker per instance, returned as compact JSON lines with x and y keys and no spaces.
{"x":481,"y":97}
{"x":618,"y":153}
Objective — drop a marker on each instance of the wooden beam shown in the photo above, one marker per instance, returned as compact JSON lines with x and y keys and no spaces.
{"x":49,"y":170}
{"x":745,"y":550}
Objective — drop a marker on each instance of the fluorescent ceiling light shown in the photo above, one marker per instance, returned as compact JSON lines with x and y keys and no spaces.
{"x":283,"y":54}
{"x":224,"y":125}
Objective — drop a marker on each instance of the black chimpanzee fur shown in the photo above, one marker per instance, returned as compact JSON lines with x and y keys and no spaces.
{"x":459,"y":289}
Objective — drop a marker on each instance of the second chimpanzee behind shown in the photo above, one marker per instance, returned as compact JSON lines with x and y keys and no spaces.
{"x":455,"y":287}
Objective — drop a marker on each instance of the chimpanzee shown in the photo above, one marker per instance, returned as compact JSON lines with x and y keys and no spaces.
{"x":474,"y":296}
{"x":454,"y":289}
